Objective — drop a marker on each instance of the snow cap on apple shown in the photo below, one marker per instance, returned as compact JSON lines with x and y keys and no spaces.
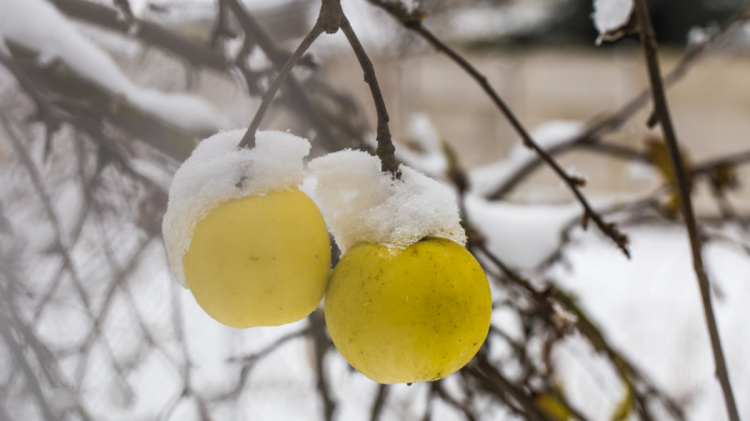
{"x":219,"y":171}
{"x":362,"y":204}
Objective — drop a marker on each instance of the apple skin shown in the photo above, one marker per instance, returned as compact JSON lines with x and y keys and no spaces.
{"x":260,"y":260}
{"x":404,"y":316}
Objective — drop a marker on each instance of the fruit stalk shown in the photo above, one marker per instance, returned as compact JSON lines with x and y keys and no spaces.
{"x":328,"y":21}
{"x":386,"y":150}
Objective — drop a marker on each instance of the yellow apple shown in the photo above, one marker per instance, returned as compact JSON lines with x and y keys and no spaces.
{"x":403,"y":316}
{"x":259,"y":260}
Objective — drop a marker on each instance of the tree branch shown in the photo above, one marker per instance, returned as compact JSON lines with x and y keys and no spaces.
{"x":248,"y":140}
{"x":148,"y":32}
{"x":31,"y":379}
{"x":299,"y":98}
{"x":321,"y":345}
{"x":413,"y":20}
{"x":661,"y":110}
{"x":615,"y":120}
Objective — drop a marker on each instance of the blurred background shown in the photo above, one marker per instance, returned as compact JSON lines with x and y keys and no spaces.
{"x":101,"y":100}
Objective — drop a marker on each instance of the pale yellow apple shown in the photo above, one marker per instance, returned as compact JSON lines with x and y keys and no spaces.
{"x":403,"y":316}
{"x":259,"y":260}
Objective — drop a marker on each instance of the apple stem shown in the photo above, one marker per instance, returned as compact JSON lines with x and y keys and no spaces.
{"x":330,"y":19}
{"x":248,"y":140}
{"x":385,"y":150}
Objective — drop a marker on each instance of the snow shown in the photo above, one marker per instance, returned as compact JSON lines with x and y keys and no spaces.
{"x":39,"y":26}
{"x":140,"y":6}
{"x":360,"y":203}
{"x":590,"y":382}
{"x":610,"y":15}
{"x":521,"y":235}
{"x":651,"y":311}
{"x":210,"y":176}
{"x":430,"y":158}
{"x":485,"y":179}
{"x":488,"y":21}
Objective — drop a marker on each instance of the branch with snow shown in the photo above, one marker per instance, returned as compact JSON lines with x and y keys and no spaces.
{"x":40,"y":27}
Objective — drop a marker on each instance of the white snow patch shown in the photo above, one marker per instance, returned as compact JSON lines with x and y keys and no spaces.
{"x":488,"y":21}
{"x":521,"y":235}
{"x":651,"y":309}
{"x":360,"y":203}
{"x":548,"y":135}
{"x":39,"y":26}
{"x":212,"y":174}
{"x":610,"y":15}
{"x":430,"y":159}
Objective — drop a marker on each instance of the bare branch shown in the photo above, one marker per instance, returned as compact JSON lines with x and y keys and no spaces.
{"x":601,"y":126}
{"x":321,"y":346}
{"x":30,"y":377}
{"x":148,"y":32}
{"x":248,"y":140}
{"x":661,"y":110}
{"x":299,"y":98}
{"x":413,"y":20}
{"x":379,"y":403}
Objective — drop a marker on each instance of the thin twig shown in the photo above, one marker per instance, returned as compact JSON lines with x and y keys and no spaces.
{"x":413,"y":20}
{"x":661,"y":110}
{"x":481,"y":369}
{"x":321,"y":345}
{"x":329,"y":20}
{"x":248,"y":140}
{"x":31,"y":379}
{"x":377,"y":406}
{"x":616,"y":119}
{"x":298,"y":96}
{"x":385,"y":150}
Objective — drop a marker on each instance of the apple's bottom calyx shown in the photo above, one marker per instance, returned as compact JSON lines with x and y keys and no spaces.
{"x":404,"y":316}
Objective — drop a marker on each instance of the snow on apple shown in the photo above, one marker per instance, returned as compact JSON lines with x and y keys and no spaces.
{"x":362,"y":204}
{"x":219,"y":171}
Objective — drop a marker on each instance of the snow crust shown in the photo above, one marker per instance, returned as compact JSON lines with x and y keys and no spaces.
{"x":39,"y":26}
{"x":611,"y":14}
{"x":360,"y":203}
{"x":217,"y":172}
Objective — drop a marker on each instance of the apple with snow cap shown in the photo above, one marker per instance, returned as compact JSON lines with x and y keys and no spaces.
{"x":252,"y":247}
{"x":406,"y":302}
